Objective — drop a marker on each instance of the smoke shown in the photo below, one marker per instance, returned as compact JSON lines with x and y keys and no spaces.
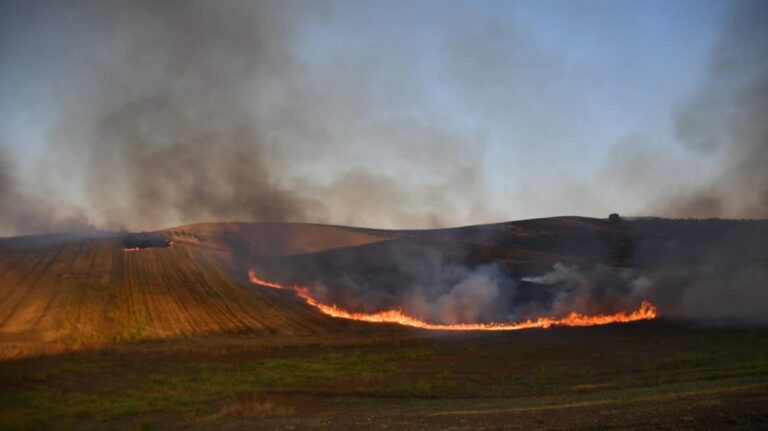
{"x":708,"y":270}
{"x":436,"y":282}
{"x":22,"y":213}
{"x":601,"y":289}
{"x":716,"y":293}
{"x":165,"y":131}
{"x":459,"y":295}
{"x":153,"y":114}
{"x":178,"y":112}
{"x":444,"y":292}
{"x":726,"y":119}
{"x":700,"y":270}
{"x":16,"y":211}
{"x":487,"y":293}
{"x":440,"y":293}
{"x":450,"y":281}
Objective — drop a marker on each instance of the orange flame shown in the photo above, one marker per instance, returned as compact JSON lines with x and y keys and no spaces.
{"x":647,"y":311}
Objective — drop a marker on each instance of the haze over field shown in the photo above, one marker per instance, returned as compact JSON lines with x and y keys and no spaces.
{"x":382,"y":215}
{"x":143,"y":115}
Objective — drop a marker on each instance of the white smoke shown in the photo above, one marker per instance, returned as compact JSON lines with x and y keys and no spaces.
{"x":597,"y":290}
{"x":473,"y":296}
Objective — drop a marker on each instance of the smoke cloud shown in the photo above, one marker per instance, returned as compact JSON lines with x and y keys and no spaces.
{"x":23,"y":213}
{"x":709,"y":270}
{"x":443,"y":292}
{"x":16,"y":210}
{"x":179,"y":112}
{"x":599,"y":290}
{"x":716,"y":290}
{"x":460,"y":295}
{"x":154,"y":114}
{"x":165,"y":130}
{"x":716,"y":294}
{"x":700,"y":270}
{"x":726,"y":119}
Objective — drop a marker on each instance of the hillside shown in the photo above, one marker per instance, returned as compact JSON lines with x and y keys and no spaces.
{"x":59,"y":292}
{"x":67,"y":291}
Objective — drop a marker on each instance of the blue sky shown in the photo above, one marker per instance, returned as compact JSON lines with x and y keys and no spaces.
{"x":538,"y":102}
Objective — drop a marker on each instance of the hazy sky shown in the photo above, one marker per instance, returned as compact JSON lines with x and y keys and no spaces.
{"x":385,"y":114}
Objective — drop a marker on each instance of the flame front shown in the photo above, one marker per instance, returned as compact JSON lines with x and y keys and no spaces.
{"x":647,"y":311}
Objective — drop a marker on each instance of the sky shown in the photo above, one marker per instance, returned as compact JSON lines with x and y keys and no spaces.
{"x":391,"y":114}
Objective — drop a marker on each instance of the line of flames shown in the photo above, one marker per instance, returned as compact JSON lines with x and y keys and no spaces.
{"x":647,"y":311}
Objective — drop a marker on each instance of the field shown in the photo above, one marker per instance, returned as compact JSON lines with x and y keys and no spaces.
{"x":637,"y":376}
{"x":96,"y":337}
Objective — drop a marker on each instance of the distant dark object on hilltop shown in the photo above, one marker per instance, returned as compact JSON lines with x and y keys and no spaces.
{"x":614,"y":218}
{"x":145,"y":240}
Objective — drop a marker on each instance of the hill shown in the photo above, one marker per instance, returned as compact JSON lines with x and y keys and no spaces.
{"x":71,"y":291}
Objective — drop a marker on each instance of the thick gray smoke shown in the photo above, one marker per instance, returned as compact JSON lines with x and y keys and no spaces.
{"x":23,"y":213}
{"x":184,"y":111}
{"x":423,"y":282}
{"x":158,"y":129}
{"x":726,"y":119}
{"x":716,"y":293}
{"x":602,"y":289}
{"x":16,"y":210}
{"x":701,"y":270}
{"x":443,"y":292}
{"x":461,"y":295}
{"x":708,"y":270}
{"x":454,"y":282}
{"x":165,"y":130}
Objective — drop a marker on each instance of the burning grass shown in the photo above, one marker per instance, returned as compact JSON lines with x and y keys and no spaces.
{"x":647,"y":311}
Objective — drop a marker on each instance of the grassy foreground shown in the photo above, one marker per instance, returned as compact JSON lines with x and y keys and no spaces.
{"x":643,"y":375}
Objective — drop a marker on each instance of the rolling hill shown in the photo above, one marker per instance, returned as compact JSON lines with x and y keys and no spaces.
{"x":68,"y":291}
{"x":60,"y":292}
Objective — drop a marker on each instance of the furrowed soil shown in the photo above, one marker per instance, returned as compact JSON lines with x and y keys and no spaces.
{"x":60,"y":293}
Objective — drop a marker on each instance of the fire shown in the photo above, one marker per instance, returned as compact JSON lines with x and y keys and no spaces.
{"x":647,"y":311}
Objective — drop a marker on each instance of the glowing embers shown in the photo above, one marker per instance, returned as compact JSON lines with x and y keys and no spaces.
{"x":647,"y":311}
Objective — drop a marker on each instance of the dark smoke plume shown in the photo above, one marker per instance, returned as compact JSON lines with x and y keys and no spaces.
{"x":436,"y":290}
{"x":174,"y":112}
{"x":728,"y":119}
{"x":172,"y":135}
{"x":20,"y":212}
{"x":601,"y":289}
{"x":184,"y":111}
{"x":15,"y":210}
{"x":701,"y":270}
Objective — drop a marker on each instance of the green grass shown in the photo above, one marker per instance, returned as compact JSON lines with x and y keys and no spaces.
{"x":140,"y":387}
{"x":59,"y":393}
